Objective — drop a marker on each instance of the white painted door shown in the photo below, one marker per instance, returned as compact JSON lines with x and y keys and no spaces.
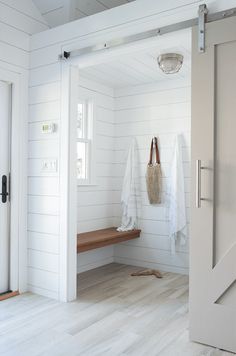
{"x":5,"y":102}
{"x":213,"y":224}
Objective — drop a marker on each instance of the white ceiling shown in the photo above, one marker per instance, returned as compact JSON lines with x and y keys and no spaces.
{"x":141,"y":67}
{"x":58,"y":12}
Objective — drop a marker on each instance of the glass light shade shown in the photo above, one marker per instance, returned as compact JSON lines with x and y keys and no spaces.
{"x":170,"y":63}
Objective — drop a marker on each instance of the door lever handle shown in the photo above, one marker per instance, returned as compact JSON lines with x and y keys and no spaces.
{"x":4,"y":192}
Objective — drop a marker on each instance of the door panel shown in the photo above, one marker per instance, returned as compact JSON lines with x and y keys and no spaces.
{"x":225,"y":150}
{"x":5,"y":102}
{"x":213,"y":225}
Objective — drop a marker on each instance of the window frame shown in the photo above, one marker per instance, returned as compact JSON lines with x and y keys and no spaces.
{"x":89,"y":140}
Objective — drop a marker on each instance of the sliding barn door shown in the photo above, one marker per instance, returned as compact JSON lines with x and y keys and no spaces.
{"x":213,"y":212}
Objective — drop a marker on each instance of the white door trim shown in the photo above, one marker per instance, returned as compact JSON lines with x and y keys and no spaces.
{"x":68,"y":184}
{"x":18,"y":215}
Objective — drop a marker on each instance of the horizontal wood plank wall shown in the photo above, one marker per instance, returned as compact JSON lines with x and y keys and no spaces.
{"x":43,"y":188}
{"x":96,"y":202}
{"x":144,"y":111}
{"x":19,"y":20}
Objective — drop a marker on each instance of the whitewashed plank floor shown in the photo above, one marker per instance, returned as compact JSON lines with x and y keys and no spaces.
{"x":115,"y":314}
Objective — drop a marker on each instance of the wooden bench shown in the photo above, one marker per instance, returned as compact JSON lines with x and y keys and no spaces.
{"x":95,"y":239}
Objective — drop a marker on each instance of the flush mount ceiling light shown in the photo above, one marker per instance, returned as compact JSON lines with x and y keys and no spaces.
{"x":170,"y":63}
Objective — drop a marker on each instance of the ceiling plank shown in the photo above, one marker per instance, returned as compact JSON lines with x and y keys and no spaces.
{"x":45,"y":6}
{"x":113,"y":3}
{"x":141,"y":67}
{"x":58,"y":12}
{"x":90,"y":7}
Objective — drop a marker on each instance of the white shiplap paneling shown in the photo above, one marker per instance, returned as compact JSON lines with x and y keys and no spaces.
{"x":143,"y":113}
{"x":19,"y":20}
{"x":95,"y":258}
{"x":22,"y":15}
{"x":43,"y":188}
{"x":95,"y":203}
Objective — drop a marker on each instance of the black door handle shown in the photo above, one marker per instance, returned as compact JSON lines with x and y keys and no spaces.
{"x":4,"y":193}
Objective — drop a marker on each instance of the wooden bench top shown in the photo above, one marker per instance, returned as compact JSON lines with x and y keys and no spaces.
{"x":95,"y":239}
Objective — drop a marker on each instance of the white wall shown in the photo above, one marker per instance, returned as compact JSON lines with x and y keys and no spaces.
{"x":43,"y":188}
{"x":162,"y":109}
{"x":95,"y":202}
{"x":45,"y":105}
{"x":23,"y":16}
{"x":19,"y":20}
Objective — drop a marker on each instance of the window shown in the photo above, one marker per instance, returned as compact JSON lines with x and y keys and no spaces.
{"x":84,"y":141}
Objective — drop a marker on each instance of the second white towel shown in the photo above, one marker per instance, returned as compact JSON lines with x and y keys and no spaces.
{"x":176,"y":197}
{"x":130,"y":197}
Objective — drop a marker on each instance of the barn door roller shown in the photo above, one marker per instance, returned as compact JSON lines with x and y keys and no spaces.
{"x":203,"y":17}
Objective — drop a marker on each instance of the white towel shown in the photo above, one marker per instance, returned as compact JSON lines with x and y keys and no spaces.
{"x":130,"y":197}
{"x":176,"y":197}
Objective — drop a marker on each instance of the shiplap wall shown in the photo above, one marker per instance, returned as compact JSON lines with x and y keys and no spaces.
{"x":19,"y":20}
{"x":43,"y":188}
{"x":95,"y":202}
{"x":95,"y":205}
{"x":161,"y":110}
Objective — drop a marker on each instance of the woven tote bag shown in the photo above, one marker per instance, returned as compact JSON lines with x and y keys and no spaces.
{"x":153,"y":175}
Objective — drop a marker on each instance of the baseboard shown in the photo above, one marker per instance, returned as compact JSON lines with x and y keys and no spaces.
{"x":145,"y":264}
{"x":44,"y":292}
{"x":95,"y":264}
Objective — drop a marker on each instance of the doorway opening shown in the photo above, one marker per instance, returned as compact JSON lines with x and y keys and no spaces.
{"x":118,"y":99}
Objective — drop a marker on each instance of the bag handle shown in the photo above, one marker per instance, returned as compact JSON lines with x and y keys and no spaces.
{"x":157,"y":151}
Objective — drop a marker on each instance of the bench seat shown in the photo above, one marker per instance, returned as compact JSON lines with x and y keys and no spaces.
{"x":95,"y":239}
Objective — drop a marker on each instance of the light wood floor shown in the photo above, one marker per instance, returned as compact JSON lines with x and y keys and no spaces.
{"x":115,"y":314}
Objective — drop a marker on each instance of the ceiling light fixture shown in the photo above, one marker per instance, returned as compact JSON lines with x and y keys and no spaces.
{"x":170,"y":63}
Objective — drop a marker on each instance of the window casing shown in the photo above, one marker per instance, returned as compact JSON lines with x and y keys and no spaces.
{"x":84,"y":147}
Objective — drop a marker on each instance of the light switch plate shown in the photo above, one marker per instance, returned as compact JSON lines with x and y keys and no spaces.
{"x":49,"y":166}
{"x":48,"y":127}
